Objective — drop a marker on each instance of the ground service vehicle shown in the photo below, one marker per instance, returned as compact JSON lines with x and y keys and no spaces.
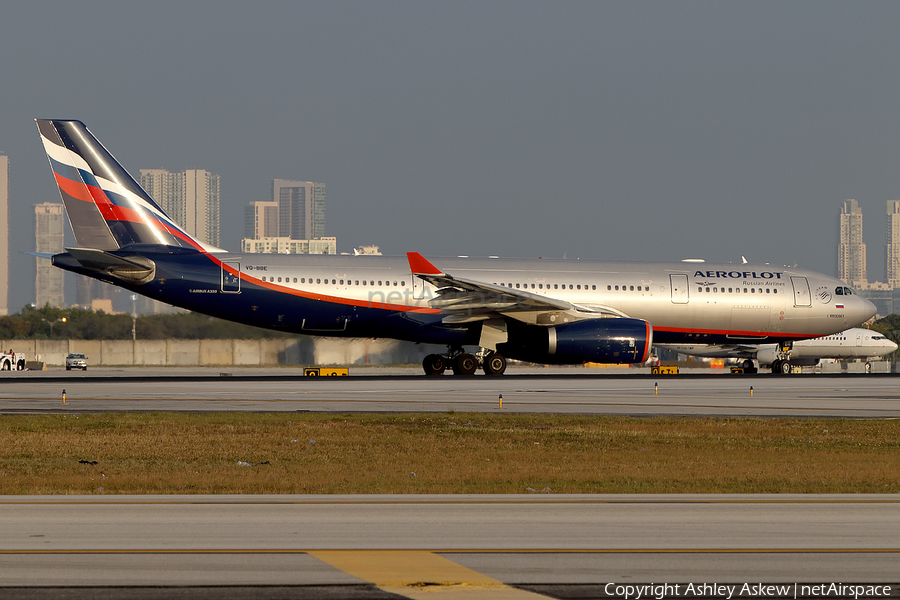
{"x":76,"y":360}
{"x":12,"y":361}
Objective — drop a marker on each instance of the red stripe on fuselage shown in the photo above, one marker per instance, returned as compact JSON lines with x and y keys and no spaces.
{"x":320,"y":297}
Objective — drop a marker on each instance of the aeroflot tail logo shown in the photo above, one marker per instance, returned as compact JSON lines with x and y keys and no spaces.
{"x":741,"y":274}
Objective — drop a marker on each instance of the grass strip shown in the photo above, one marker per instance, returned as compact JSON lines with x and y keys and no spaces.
{"x":239,"y":453}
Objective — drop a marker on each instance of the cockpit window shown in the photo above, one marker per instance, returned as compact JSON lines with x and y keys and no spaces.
{"x":847,"y":292}
{"x":839,"y":291}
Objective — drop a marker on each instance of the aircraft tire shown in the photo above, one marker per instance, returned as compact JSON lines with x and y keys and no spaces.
{"x":868,"y":367}
{"x":494,"y":364}
{"x":465,"y":364}
{"x":776,"y":367}
{"x":434,"y":365}
{"x":785,"y":367}
{"x":747,"y":364}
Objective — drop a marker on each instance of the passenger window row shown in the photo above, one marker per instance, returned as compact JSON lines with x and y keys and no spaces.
{"x":541,"y":286}
{"x":320,"y":281}
{"x":738,"y":290}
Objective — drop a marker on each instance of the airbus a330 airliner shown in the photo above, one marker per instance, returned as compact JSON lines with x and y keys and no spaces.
{"x":545,"y":311}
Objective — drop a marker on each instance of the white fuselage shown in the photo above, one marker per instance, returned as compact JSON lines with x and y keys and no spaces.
{"x":851,"y":343}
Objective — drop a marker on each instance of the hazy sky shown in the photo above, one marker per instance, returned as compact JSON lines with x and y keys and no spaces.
{"x":605,"y":130}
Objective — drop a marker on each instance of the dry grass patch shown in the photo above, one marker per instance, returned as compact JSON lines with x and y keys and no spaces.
{"x":442,"y":453}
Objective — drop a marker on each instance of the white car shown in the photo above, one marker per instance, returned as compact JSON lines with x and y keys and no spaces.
{"x":76,"y":361}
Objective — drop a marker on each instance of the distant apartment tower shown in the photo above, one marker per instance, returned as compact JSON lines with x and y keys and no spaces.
{"x":190,"y":198}
{"x":4,"y":235}
{"x":261,"y":220}
{"x":49,"y":220}
{"x":851,"y":249}
{"x":301,"y":208}
{"x":892,"y":245}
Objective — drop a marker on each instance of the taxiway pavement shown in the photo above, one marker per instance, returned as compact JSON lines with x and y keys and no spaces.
{"x":200,"y":390}
{"x":514,"y":541}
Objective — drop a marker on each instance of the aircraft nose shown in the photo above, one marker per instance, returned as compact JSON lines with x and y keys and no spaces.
{"x":866,"y":309}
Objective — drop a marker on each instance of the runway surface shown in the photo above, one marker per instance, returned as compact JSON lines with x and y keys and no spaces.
{"x":462,"y":546}
{"x":198,"y":390}
{"x":440,"y":547}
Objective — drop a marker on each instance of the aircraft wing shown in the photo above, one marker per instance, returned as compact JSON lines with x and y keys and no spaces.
{"x":464,"y":300}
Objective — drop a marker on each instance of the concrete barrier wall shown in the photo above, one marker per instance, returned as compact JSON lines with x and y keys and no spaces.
{"x":171,"y":352}
{"x":151,"y":352}
{"x":115,"y":352}
{"x":216,"y":352}
{"x":182,"y":352}
{"x":246,"y":352}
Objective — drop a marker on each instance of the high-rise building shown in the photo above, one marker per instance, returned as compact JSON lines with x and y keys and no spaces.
{"x":293,"y":222}
{"x":892,"y":245}
{"x":49,"y":220}
{"x":851,"y":249}
{"x":4,"y":235}
{"x":261,"y":220}
{"x":190,"y":198}
{"x":202,"y":205}
{"x":301,"y":208}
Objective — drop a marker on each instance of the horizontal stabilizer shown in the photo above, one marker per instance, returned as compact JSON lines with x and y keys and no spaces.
{"x":134,"y":269}
{"x":40,"y":254}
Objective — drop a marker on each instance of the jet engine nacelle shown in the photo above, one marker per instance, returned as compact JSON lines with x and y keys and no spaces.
{"x":768,"y":354}
{"x":615,"y":340}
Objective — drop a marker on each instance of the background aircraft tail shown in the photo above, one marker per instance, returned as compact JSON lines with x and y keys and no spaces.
{"x":106,"y":207}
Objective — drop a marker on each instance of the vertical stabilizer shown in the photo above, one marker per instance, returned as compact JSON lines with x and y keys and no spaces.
{"x":106,"y":207}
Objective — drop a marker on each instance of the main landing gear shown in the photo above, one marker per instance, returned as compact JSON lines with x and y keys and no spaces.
{"x":463,"y":363}
{"x":782,"y":367}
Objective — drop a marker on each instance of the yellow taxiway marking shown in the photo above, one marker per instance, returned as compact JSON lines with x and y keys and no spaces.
{"x":417,"y":574}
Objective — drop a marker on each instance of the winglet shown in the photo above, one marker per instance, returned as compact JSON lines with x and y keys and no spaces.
{"x":419,"y":265}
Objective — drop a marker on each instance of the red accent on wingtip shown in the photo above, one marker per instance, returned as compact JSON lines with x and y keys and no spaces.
{"x":419,"y":265}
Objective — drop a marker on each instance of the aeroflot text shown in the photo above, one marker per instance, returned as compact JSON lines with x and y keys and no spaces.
{"x":658,"y":591}
{"x":740,"y":274}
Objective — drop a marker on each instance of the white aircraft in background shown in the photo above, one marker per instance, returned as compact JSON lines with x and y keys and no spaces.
{"x":851,"y":343}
